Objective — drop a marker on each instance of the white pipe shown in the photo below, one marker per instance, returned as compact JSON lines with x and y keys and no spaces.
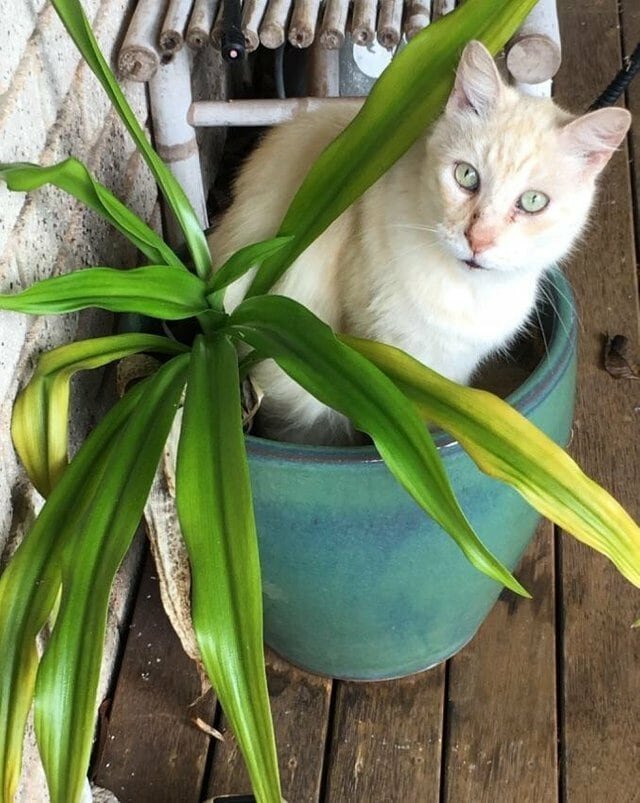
{"x":139,"y":58}
{"x":175,"y":138}
{"x":534,"y":54}
{"x":259,"y":112}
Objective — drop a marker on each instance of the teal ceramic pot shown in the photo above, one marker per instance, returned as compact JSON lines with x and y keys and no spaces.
{"x":358,"y":582}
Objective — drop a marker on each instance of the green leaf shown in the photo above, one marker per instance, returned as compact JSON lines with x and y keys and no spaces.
{"x":30,"y":584}
{"x":39,"y":425}
{"x":241,"y":262}
{"x":404,"y":101}
{"x":67,"y":680}
{"x":76,"y":23}
{"x":159,"y":291}
{"x":213,"y":496}
{"x":507,"y":446}
{"x":74,"y":178}
{"x":338,"y":376}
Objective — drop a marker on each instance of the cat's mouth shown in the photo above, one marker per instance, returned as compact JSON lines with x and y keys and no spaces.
{"x":473,"y":265}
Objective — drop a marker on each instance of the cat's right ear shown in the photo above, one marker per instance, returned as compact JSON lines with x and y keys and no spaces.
{"x":478,"y":84}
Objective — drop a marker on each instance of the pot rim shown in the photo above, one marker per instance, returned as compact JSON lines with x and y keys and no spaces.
{"x":535,"y":388}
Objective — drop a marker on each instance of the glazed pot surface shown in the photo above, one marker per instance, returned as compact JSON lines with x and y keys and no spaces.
{"x":358,"y":582}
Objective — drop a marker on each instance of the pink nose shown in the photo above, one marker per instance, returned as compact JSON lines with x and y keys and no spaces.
{"x":480,"y":238}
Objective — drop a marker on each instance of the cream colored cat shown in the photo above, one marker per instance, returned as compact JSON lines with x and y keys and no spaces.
{"x":443,"y":256}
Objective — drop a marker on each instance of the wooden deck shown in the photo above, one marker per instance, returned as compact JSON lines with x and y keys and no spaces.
{"x":544,"y":704}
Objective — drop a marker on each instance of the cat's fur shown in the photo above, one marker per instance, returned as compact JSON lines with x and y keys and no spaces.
{"x":392,"y":267}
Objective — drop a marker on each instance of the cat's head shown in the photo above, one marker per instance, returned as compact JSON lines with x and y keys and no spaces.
{"x":515,"y":175}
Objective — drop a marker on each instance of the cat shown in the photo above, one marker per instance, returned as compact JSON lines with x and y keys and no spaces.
{"x":444,"y":254}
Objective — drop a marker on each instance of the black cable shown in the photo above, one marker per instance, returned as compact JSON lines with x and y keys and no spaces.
{"x":233,"y":44}
{"x":619,"y":83}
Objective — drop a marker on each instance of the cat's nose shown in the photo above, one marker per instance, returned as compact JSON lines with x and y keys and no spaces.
{"x":480,"y":238}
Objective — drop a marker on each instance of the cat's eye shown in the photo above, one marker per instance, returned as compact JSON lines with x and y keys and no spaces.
{"x":532,"y":201}
{"x":467,"y":176}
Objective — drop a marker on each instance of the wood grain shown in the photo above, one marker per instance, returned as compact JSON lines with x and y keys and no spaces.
{"x":501,"y":707}
{"x":153,"y":752}
{"x":386,"y":741}
{"x":601,"y":695}
{"x":300,"y":706}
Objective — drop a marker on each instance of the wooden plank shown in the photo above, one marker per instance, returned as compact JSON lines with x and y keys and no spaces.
{"x":500,"y":720}
{"x":601,"y":694}
{"x":630,"y":38}
{"x":300,"y":705}
{"x":386,"y":741}
{"x":152,"y":750}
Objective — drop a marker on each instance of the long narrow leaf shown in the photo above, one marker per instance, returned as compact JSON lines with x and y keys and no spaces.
{"x":39,"y":424}
{"x":159,"y":291}
{"x":241,"y":262}
{"x":403,"y":102}
{"x":507,"y":446}
{"x":76,"y":23}
{"x":74,"y":178}
{"x":337,"y":375}
{"x":216,"y":516}
{"x":29,"y":587}
{"x":69,"y":672}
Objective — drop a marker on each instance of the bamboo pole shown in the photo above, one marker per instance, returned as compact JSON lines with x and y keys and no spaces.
{"x":363,"y":25}
{"x":252,"y":14}
{"x":334,"y":21}
{"x":271,"y":111}
{"x":272,"y":30}
{"x":441,"y":7}
{"x":171,"y":37}
{"x":323,"y":75}
{"x":139,"y":58}
{"x":417,"y":17}
{"x":390,"y":23}
{"x":201,"y":23}
{"x":218,"y":27}
{"x":534,"y":54}
{"x":302,"y":28}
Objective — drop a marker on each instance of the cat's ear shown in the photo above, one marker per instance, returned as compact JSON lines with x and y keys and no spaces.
{"x":595,"y":136}
{"x":478,"y":84}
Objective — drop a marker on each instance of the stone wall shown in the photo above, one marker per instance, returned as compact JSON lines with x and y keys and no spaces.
{"x":52,"y":107}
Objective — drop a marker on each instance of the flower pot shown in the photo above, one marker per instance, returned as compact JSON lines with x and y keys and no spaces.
{"x":358,"y":582}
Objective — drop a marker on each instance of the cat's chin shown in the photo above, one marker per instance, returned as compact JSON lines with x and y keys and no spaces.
{"x":473,"y":265}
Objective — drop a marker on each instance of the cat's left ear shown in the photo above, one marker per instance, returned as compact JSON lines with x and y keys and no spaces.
{"x":478,"y":84}
{"x":596,"y":135}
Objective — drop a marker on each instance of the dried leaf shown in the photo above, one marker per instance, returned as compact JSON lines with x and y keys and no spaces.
{"x":208,"y":729}
{"x":616,"y":363}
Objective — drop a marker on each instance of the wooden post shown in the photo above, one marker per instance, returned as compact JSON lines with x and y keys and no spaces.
{"x":175,"y":138}
{"x":201,"y":23}
{"x":534,"y":54}
{"x":323,"y":78}
{"x":302,"y":28}
{"x":363,"y":26}
{"x":139,"y":58}
{"x":172,"y":32}
{"x":441,"y":7}
{"x":216,"y":31}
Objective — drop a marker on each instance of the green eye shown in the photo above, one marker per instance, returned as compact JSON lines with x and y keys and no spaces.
{"x":467,"y":176}
{"x":532,"y":201}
